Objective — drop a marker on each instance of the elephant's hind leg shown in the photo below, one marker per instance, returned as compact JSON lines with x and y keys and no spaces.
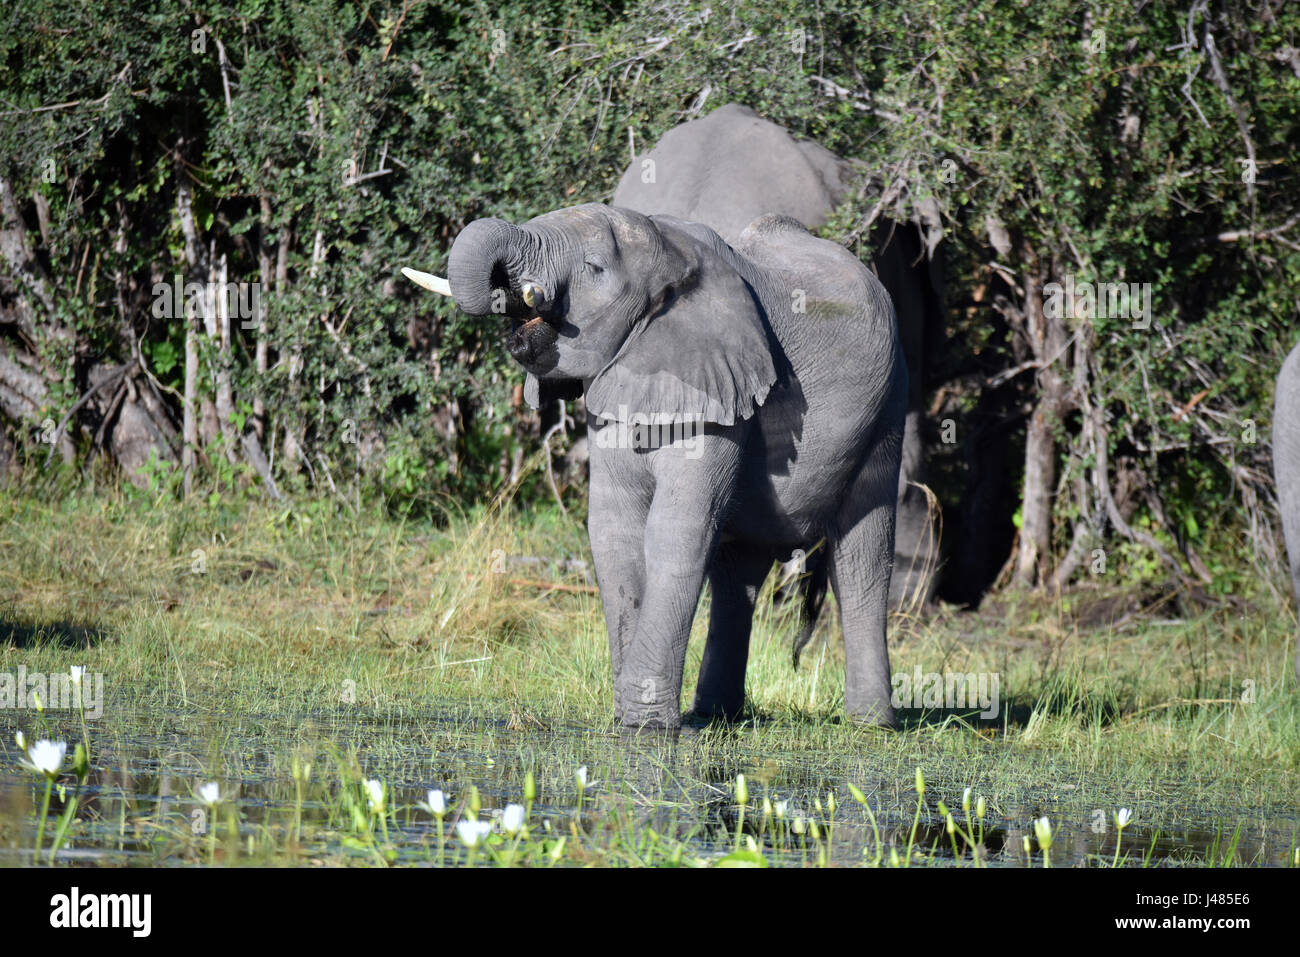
{"x":735,"y":577}
{"x":862,"y":560}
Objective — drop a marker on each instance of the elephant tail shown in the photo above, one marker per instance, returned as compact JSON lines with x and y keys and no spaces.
{"x":813,"y":585}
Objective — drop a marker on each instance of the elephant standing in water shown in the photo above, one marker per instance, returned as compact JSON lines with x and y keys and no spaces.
{"x":1286,"y":464}
{"x":743,"y":402}
{"x":732,"y":166}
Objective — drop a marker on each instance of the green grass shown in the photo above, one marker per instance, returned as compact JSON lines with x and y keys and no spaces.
{"x":290,"y":654}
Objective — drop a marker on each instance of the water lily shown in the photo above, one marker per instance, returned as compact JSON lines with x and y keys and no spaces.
{"x":1122,"y":817}
{"x":435,"y":803}
{"x":46,"y":757}
{"x":965,"y":800}
{"x":582,"y":778}
{"x":472,"y":833}
{"x":742,"y":790}
{"x":778,"y":808}
{"x":513,"y":819}
{"x":375,"y":795}
{"x":1043,"y":831}
{"x":22,"y":741}
{"x":77,"y":673}
{"x":210,"y":794}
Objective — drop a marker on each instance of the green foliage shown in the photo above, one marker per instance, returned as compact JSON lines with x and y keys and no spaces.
{"x":368,"y":134}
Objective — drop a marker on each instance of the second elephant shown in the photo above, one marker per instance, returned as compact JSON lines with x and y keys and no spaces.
{"x":1286,"y":464}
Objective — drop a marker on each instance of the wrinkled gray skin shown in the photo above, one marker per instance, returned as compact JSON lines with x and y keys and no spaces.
{"x":804,"y":412}
{"x":730,"y":167}
{"x":1286,"y":464}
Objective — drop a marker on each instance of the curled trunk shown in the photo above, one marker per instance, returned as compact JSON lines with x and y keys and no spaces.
{"x":488,"y":254}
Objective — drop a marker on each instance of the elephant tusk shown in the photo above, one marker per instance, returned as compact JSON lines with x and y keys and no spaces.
{"x":428,"y":281}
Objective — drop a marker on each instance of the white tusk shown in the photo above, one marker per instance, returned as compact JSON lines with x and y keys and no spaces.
{"x":428,"y":280}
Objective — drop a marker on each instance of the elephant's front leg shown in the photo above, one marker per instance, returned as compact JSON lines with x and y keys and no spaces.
{"x":619,"y":503}
{"x":691,"y":494}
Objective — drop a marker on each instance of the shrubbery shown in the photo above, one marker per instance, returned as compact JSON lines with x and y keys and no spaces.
{"x":315,"y":147}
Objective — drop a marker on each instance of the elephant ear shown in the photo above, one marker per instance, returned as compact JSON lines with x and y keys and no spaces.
{"x":539,"y":393}
{"x":702,"y":352}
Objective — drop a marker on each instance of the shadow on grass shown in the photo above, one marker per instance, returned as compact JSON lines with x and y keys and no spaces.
{"x":1014,"y":712}
{"x":63,"y":634}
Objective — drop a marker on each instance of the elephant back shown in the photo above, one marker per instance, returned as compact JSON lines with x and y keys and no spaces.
{"x":729,"y":168}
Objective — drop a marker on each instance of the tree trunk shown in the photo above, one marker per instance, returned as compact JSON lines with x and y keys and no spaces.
{"x":190,"y":403}
{"x":1047,"y":341}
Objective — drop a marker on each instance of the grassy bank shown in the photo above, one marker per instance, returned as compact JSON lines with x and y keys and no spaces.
{"x":290,"y":654}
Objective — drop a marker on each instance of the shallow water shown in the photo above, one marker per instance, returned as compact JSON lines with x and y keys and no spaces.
{"x":648,"y":798}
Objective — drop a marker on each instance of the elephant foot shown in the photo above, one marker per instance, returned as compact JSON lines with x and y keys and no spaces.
{"x":651,"y":719}
{"x":874,"y":716}
{"x":708,"y":709}
{"x":647,"y":704}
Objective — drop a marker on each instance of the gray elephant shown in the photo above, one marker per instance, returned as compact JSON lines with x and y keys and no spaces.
{"x":743,"y":403}
{"x":730,"y":167}
{"x":1286,"y":464}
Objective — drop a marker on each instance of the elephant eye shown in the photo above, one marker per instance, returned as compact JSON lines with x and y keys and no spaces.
{"x":594,"y":266}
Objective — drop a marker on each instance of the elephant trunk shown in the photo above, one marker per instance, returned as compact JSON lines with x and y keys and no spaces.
{"x":489,"y":254}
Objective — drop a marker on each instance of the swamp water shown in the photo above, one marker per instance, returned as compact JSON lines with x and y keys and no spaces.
{"x":293,"y":792}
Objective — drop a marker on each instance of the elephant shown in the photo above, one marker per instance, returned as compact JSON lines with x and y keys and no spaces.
{"x":1286,"y":465}
{"x":730,"y":167}
{"x":743,"y":402}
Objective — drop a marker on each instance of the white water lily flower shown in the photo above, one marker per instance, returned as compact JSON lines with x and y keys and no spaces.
{"x":778,"y":808}
{"x":46,"y":757}
{"x":22,"y":741}
{"x":1123,"y":817}
{"x":965,"y":800}
{"x":472,"y":833}
{"x":436,"y":803}
{"x":375,"y":794}
{"x":77,"y":673}
{"x":582,"y":776}
{"x":513,"y":819}
{"x":1043,"y":831}
{"x":210,"y":793}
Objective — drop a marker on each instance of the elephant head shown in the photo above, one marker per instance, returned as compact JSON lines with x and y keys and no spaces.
{"x":648,"y":315}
